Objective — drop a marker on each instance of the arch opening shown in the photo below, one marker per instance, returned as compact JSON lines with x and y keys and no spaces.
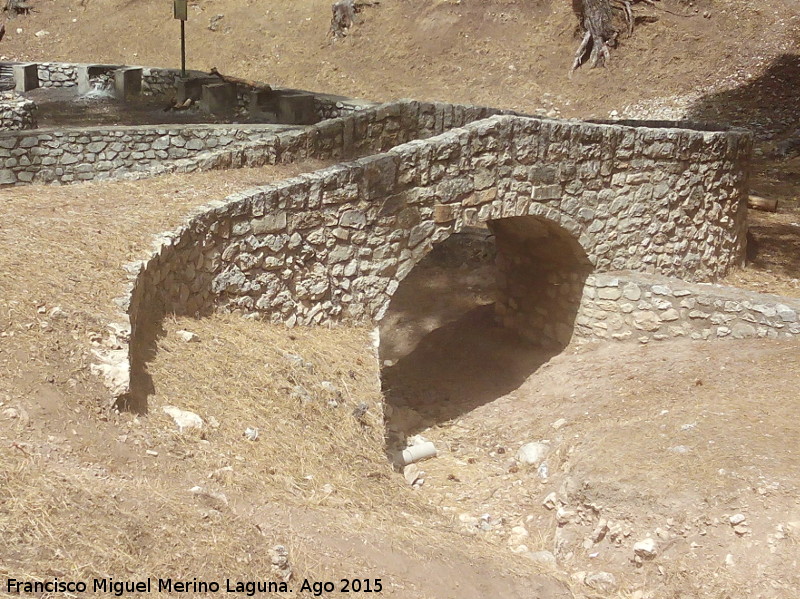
{"x":477,"y":316}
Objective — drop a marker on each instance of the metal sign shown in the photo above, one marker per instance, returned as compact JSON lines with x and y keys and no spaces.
{"x":181,"y":9}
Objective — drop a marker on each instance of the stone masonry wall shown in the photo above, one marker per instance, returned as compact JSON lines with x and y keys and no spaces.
{"x":57,"y":74}
{"x":332,"y":107}
{"x":334,"y":245}
{"x":16,"y":112}
{"x":629,"y":305}
{"x":70,"y":155}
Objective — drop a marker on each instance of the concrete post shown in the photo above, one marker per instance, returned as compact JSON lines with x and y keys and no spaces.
{"x":218,"y":98}
{"x":26,"y":77}
{"x":127,"y":83}
{"x":297,"y":109}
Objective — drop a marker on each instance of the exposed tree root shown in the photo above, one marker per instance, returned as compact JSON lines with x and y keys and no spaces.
{"x":344,"y":14}
{"x":602,"y":22}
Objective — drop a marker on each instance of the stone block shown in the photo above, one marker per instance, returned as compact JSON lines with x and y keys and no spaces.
{"x":218,"y":98}
{"x":296,"y":108}
{"x":26,"y":77}
{"x":127,"y":83}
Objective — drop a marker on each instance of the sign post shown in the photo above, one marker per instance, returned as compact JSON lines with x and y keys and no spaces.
{"x":182,"y":13}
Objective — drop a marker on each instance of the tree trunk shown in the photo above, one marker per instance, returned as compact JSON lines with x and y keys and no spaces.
{"x":596,"y":17}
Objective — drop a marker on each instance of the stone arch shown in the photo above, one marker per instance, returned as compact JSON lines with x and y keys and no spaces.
{"x":541,"y":266}
{"x":455,"y":338}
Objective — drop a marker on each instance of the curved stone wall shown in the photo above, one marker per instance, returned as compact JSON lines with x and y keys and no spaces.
{"x":334,"y":245}
{"x":90,"y":153}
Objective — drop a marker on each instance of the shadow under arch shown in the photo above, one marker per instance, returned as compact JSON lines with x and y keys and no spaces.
{"x":480,"y":313}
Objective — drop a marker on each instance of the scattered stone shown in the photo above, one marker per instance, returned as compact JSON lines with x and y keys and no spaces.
{"x":115,"y":369}
{"x":57,"y":313}
{"x":251,"y":433}
{"x":188,"y":336}
{"x":360,"y":412}
{"x":298,"y":360}
{"x":741,"y":529}
{"x":543,"y":471}
{"x":729,"y":561}
{"x":551,"y":501}
{"x":213,"y":23}
{"x":558,"y":424}
{"x":645,"y":549}
{"x":183,"y":418}
{"x":533,"y":453}
{"x":565,"y":516}
{"x":737,"y":519}
{"x":599,"y":531}
{"x":485,"y":522}
{"x":412,"y":473}
{"x":152,"y":453}
{"x":518,"y":536}
{"x":299,"y":392}
{"x":604,"y":582}
{"x":279,"y":557}
{"x":335,"y":394}
{"x":42,"y":33}
{"x":11,"y":413}
{"x":215,"y":500}
{"x":545,"y":558}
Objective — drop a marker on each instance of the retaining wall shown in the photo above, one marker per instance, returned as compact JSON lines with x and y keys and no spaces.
{"x":58,"y":74}
{"x":69,"y":155}
{"x":91,"y":153}
{"x":628,"y":305}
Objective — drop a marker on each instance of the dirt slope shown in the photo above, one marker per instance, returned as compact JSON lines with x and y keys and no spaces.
{"x":506,"y":53}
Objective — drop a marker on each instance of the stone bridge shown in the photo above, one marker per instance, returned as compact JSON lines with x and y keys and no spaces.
{"x":602,"y":230}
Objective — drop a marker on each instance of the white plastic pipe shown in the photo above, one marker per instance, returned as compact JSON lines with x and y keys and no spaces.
{"x":415,"y":453}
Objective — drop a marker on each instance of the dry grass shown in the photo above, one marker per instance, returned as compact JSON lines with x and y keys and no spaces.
{"x":77,"y":525}
{"x":246,"y":373}
{"x":66,"y":245}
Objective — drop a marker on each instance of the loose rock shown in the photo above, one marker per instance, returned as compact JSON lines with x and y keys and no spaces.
{"x":541,"y":557}
{"x":533,"y":453}
{"x":605,"y":582}
{"x":646,"y":548}
{"x":188,"y":336}
{"x":737,"y":519}
{"x":551,"y":501}
{"x":183,"y":418}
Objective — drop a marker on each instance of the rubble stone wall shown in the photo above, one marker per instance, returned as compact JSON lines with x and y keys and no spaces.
{"x":16,"y":112}
{"x":94,"y":153}
{"x":631,"y":305}
{"x":71,"y":155}
{"x":58,"y":74}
